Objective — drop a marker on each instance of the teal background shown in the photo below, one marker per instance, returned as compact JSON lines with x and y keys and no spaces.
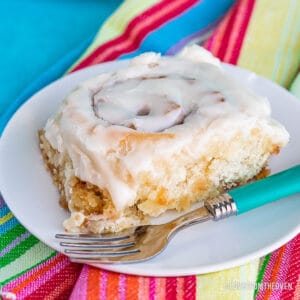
{"x":41,"y":39}
{"x":35,"y":34}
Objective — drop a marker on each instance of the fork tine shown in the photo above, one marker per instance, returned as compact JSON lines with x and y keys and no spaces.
{"x":92,"y":237}
{"x":108,"y":259}
{"x":81,"y":254}
{"x":97,"y":245}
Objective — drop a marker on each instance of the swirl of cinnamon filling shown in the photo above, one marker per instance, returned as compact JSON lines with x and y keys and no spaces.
{"x":151,"y":103}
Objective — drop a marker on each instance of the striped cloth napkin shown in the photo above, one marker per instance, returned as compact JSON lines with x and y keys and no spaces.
{"x":260,"y":35}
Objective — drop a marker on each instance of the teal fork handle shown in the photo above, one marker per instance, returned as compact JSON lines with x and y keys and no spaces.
{"x":266,"y":190}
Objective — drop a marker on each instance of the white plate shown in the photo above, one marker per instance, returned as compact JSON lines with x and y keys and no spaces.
{"x":28,"y":190}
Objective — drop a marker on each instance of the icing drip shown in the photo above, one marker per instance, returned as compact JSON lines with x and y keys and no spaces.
{"x":148,"y":104}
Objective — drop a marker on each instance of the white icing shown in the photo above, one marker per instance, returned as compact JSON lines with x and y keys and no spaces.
{"x":181,"y":95}
{"x":194,"y":54}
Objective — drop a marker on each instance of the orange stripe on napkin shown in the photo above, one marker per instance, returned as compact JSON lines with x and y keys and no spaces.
{"x":112,"y":289}
{"x":37,"y":274}
{"x":93,"y":280}
{"x":132,"y":290}
{"x":275,"y":272}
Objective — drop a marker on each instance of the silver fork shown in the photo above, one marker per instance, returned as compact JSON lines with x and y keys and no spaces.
{"x":143,"y":242}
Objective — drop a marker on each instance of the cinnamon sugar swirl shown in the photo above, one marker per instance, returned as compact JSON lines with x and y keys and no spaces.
{"x":158,"y":135}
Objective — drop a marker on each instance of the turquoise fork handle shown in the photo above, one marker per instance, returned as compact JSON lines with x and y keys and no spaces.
{"x":266,"y":190}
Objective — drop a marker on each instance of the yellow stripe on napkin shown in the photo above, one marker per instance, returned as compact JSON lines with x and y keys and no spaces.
{"x":234,"y":283}
{"x":6,"y":218}
{"x":272,"y":44}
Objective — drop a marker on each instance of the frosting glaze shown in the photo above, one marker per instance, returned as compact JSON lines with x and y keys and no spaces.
{"x":152,"y":101}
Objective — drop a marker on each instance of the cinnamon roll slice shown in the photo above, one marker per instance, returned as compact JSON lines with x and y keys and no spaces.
{"x":158,"y":135}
